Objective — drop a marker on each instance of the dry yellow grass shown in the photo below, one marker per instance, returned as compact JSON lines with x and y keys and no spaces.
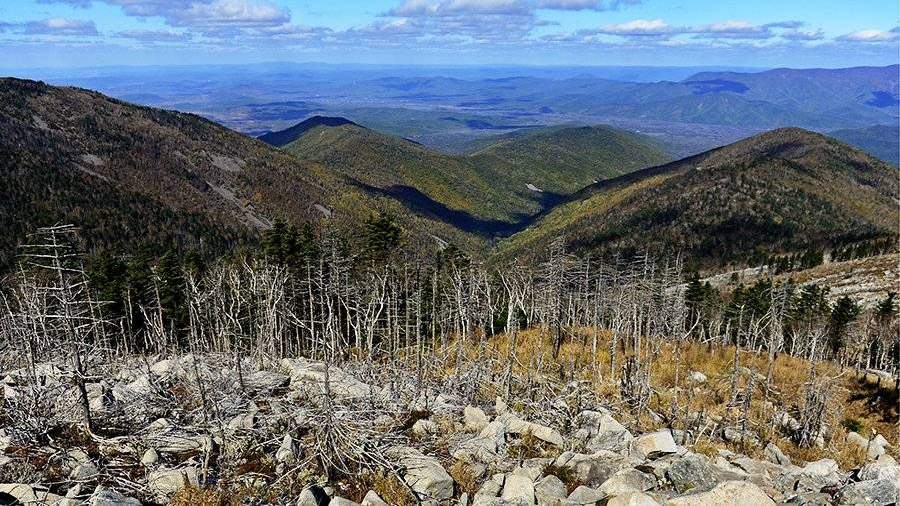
{"x":851,"y":399}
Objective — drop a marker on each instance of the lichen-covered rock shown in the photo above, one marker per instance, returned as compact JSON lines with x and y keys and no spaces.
{"x":585,"y":495}
{"x":598,"y":430}
{"x":879,"y":492}
{"x":691,"y":473}
{"x":627,"y":480}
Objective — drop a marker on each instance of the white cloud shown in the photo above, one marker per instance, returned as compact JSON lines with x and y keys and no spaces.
{"x":872,"y":36}
{"x":60,"y":26}
{"x":640,"y":27}
{"x":154,"y":35}
{"x":414,"y":8}
{"x":580,"y":5}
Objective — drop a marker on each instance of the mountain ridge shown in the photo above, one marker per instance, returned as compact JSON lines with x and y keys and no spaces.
{"x":782,"y":191}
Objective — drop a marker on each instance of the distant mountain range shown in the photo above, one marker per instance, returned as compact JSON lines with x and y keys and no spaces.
{"x":130,"y":176}
{"x":882,"y":141}
{"x":458,"y":109}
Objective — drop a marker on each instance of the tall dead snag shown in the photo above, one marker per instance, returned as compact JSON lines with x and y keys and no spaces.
{"x":57,"y":272}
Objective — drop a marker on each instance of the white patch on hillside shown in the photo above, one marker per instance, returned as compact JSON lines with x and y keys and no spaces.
{"x":246,"y":212}
{"x":324,"y":210}
{"x":228,"y":164}
{"x":92,"y":159}
{"x":533,"y":188}
{"x":39,"y":122}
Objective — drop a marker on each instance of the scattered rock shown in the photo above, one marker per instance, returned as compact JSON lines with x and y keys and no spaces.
{"x":691,"y":473}
{"x":697,"y":377}
{"x":775,"y":455}
{"x":165,"y":482}
{"x":880,"y":492}
{"x":474,"y":419}
{"x":287,"y":451}
{"x":372,"y":499}
{"x":517,"y":490}
{"x":600,"y":431}
{"x":632,"y":499}
{"x":729,"y":492}
{"x":150,"y":457}
{"x":654,"y":444}
{"x":425,"y":476}
{"x":586,"y":495}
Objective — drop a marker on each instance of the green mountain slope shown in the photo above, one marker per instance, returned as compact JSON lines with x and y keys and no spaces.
{"x":130,"y":175}
{"x":563,"y":160}
{"x":882,"y":141}
{"x":781,"y":191}
{"x":501,"y":184}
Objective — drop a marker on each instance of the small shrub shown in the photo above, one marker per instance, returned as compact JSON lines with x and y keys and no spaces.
{"x":852,"y":425}
{"x":392,"y":491}
{"x":464,"y":477}
{"x":192,"y":495}
{"x":565,"y":474}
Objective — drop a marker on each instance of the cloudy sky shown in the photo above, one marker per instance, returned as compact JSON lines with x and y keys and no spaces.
{"x":796,"y":33}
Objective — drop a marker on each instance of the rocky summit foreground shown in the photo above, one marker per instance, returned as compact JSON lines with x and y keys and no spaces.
{"x":192,"y":429}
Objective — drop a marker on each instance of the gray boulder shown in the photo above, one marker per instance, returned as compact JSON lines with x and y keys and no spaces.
{"x":549,"y":488}
{"x":691,"y":473}
{"x":165,"y":482}
{"x":585,"y":495}
{"x":424,"y":475}
{"x":653,"y":444}
{"x":373,"y":499}
{"x":517,"y":490}
{"x":108,"y":497}
{"x":727,"y":493}
{"x":632,"y":499}
{"x":880,"y":492}
{"x":597,"y":430}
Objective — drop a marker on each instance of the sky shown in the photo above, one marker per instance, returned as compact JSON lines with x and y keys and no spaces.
{"x":746,"y":33}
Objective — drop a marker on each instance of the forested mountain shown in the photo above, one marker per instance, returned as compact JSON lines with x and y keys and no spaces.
{"x":787,"y":190}
{"x":506,"y":181}
{"x":131,"y":175}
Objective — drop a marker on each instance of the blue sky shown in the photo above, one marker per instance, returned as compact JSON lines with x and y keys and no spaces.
{"x":764,"y":33}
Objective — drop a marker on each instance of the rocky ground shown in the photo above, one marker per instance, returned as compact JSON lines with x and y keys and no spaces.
{"x":191,"y":430}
